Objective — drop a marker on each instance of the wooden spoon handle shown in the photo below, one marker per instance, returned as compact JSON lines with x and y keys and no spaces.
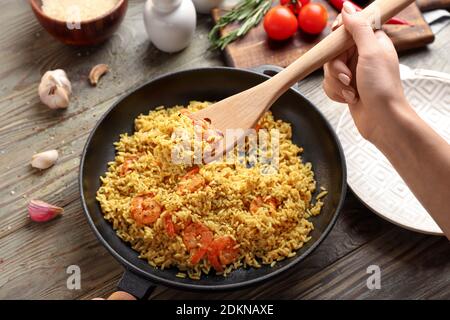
{"x":332,"y":46}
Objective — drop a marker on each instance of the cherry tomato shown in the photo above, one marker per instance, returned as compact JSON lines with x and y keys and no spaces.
{"x":280,"y":23}
{"x":294,"y":5}
{"x":313,"y":18}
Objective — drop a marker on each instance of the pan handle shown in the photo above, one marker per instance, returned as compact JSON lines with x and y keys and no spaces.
{"x":271,"y":70}
{"x":135,"y":285}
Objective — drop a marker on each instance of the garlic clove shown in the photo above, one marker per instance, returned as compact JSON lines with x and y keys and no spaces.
{"x":41,"y":211}
{"x":44,"y":160}
{"x":55,"y":89}
{"x":59,"y":77}
{"x":97,"y":72}
{"x":57,"y":98}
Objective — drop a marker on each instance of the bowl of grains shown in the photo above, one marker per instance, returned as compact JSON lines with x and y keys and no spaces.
{"x":80,"y":22}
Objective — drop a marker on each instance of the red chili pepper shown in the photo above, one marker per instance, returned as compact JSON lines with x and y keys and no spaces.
{"x":338,"y":4}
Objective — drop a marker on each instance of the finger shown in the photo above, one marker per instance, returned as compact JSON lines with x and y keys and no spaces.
{"x":352,"y":64}
{"x":121,"y":295}
{"x":331,"y":93}
{"x":360,"y":30}
{"x":337,"y":22}
{"x":341,"y":60}
{"x":339,"y":70}
{"x":384,"y":41}
{"x":349,"y":96}
{"x":334,"y":88}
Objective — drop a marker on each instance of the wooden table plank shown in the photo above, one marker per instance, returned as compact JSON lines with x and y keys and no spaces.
{"x":34,"y":258}
{"x":406,"y":262}
{"x":354,"y":228}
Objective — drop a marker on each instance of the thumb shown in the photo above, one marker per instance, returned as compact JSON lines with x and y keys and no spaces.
{"x":360,"y":29}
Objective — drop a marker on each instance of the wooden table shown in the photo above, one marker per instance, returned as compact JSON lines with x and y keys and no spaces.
{"x":34,"y":257}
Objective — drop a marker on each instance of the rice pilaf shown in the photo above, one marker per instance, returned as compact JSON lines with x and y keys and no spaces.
{"x":218,"y":216}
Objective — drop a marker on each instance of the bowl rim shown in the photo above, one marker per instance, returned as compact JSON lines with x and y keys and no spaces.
{"x":38,"y":9}
{"x":176,"y":283}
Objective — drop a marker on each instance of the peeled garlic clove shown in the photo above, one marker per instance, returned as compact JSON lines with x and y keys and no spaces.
{"x":41,"y":211}
{"x":55,"y":89}
{"x":44,"y":160}
{"x":97,"y":72}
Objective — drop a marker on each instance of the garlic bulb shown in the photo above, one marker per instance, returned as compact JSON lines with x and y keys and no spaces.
{"x":55,"y":89}
{"x":44,"y":160}
{"x":41,"y":211}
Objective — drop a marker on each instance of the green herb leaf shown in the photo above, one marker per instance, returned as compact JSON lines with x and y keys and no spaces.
{"x":248,"y":13}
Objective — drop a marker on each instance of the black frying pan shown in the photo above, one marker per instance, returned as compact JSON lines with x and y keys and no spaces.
{"x":310,"y":130}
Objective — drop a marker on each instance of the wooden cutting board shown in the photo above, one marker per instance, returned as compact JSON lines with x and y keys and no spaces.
{"x":426,"y":5}
{"x":255,"y":49}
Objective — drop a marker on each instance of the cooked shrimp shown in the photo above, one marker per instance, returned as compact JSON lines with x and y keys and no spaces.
{"x":125,"y":167}
{"x":222,"y":251}
{"x":191,"y":182}
{"x":145,"y":210}
{"x":169,"y":225}
{"x":258,"y":202}
{"x":197,"y":237}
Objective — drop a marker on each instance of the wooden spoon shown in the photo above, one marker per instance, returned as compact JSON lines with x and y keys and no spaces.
{"x":243,"y":110}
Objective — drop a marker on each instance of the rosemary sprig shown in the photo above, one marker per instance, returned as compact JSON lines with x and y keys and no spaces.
{"x":248,"y":12}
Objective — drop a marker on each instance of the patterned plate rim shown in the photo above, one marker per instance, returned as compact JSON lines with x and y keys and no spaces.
{"x":407,"y":74}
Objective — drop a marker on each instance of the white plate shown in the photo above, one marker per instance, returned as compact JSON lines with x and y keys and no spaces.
{"x":372,"y":177}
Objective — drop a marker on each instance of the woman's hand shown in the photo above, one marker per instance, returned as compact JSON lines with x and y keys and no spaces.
{"x":366,"y":77}
{"x":118,"y":295}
